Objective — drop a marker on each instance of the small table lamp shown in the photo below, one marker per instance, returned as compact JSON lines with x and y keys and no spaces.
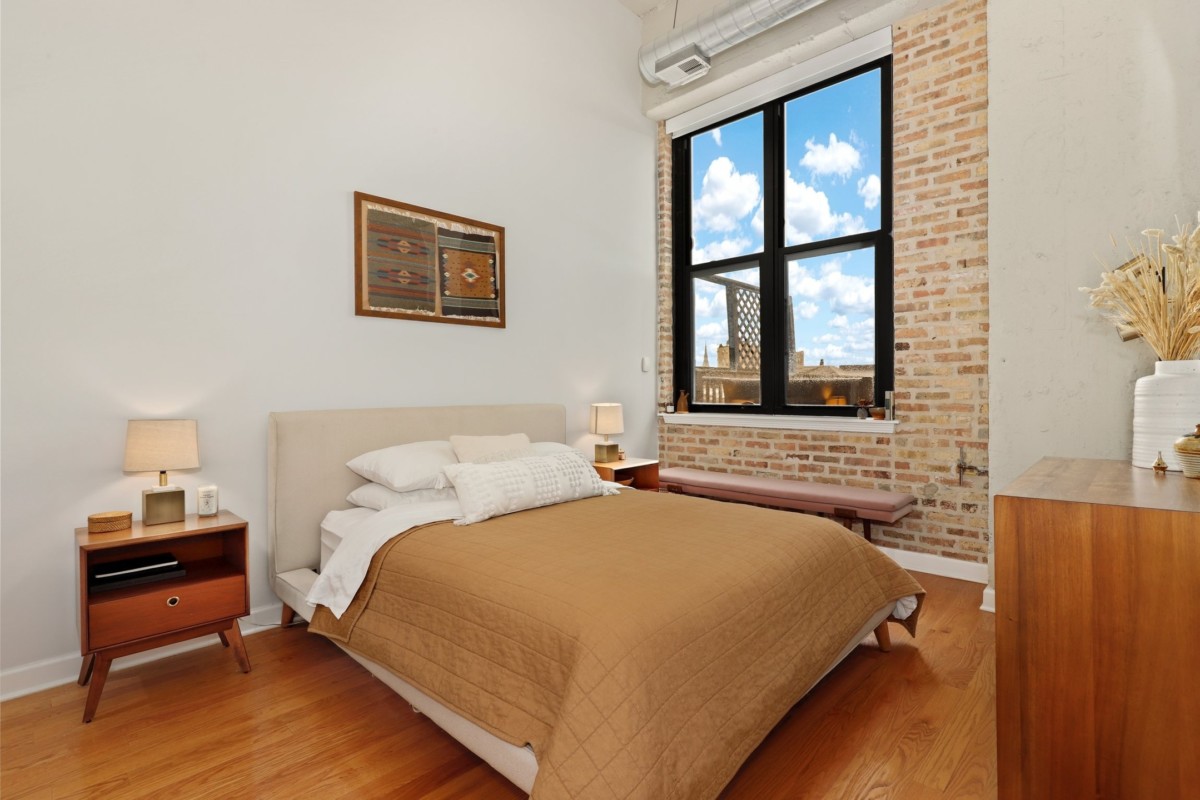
{"x":605,"y":419}
{"x":157,"y":445}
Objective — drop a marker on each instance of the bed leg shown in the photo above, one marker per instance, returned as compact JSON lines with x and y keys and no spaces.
{"x":867,"y":529}
{"x":288,"y":616}
{"x":883,"y":637}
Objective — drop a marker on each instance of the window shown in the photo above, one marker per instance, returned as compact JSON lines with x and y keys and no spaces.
{"x":783,"y":252}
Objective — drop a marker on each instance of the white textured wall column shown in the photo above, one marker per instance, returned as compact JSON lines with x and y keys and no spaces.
{"x":1095,"y":112}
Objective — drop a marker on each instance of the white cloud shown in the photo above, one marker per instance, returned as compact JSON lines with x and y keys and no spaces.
{"x":709,"y":300}
{"x":830,"y":353}
{"x":809,"y":216}
{"x":724,"y":248}
{"x":716,"y":134}
{"x":713,"y":332}
{"x":841,"y":293}
{"x":806,"y":310}
{"x":847,"y":342}
{"x":726,"y":196}
{"x":836,"y":158}
{"x":868,"y":190}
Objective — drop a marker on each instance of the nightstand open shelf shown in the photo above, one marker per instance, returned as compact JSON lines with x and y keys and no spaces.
{"x":641,"y":473}
{"x":208,"y":599}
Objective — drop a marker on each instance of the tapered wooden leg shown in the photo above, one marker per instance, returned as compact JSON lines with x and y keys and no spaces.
{"x":224,"y":639}
{"x":883,"y":637}
{"x":99,"y":676}
{"x":867,"y":529}
{"x":289,"y":615}
{"x":238,"y":646}
{"x":85,"y":670}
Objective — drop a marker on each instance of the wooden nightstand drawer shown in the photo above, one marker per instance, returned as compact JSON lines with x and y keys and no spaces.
{"x":151,"y":612}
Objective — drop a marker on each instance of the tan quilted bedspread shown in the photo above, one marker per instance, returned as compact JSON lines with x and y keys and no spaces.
{"x":644,"y":644}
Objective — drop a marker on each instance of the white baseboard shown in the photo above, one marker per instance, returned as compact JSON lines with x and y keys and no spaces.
{"x":945,"y":567}
{"x":62,"y":669}
{"x":989,"y":600}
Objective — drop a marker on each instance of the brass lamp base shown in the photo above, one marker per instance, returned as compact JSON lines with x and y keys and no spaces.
{"x":161,"y":505}
{"x":607,"y":452}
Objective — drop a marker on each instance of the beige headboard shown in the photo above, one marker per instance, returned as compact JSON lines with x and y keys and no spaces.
{"x":307,"y":453}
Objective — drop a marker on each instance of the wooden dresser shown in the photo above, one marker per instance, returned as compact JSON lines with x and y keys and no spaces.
{"x":1098,"y":614}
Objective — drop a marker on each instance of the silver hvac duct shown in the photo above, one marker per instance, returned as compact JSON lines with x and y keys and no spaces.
{"x":728,"y":24}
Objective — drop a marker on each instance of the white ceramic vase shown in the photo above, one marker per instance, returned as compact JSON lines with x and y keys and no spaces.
{"x":1166,"y":405}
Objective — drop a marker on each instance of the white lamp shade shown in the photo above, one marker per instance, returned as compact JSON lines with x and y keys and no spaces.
{"x":606,"y":418}
{"x":155,"y":445}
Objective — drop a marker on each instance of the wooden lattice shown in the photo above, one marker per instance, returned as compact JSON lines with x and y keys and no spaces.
{"x":743,"y":304}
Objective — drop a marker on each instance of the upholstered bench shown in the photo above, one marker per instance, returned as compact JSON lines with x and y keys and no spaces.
{"x":845,"y":502}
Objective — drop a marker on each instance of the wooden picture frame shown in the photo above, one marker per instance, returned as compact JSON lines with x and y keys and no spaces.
{"x":416,"y":263}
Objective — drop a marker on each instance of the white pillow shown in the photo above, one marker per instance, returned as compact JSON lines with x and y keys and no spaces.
{"x":489,"y":490}
{"x":379,"y":497}
{"x":474,"y":448}
{"x":405,"y":467}
{"x":535,"y":449}
{"x":552,"y":448}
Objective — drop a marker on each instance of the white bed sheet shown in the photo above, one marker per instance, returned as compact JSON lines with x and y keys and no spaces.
{"x":335,"y":526}
{"x":338,"y":582}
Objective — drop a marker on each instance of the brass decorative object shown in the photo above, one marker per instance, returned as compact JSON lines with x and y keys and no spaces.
{"x":681,"y":405}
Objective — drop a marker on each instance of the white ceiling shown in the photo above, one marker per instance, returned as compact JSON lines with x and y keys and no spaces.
{"x":640,"y":7}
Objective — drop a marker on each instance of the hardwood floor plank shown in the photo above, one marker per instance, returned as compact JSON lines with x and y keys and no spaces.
{"x":913,"y":724}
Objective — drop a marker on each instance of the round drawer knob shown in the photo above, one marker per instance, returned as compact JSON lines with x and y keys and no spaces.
{"x":173,"y":601}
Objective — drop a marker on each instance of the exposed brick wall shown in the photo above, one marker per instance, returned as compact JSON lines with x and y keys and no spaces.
{"x":666,"y":337}
{"x":941,"y":308}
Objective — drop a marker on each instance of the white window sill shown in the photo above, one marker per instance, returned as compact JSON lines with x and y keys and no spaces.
{"x":785,"y":422}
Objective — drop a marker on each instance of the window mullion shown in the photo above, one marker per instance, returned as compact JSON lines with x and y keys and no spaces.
{"x":681,"y":246}
{"x":774,"y":284}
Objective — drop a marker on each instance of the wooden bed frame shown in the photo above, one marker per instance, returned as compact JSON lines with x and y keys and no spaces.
{"x":307,"y":477}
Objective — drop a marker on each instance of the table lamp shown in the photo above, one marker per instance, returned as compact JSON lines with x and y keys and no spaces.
{"x":606,"y":419}
{"x":157,"y":445}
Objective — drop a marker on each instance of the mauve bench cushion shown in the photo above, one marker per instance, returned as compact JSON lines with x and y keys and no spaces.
{"x":825,"y":498}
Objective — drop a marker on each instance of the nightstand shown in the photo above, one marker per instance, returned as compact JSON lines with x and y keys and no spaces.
{"x":642,"y":472}
{"x":208,"y":599}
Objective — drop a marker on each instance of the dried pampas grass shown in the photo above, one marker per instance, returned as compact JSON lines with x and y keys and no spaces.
{"x":1156,"y":294}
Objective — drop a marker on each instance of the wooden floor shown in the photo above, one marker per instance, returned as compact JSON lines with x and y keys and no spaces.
{"x":918,"y":722}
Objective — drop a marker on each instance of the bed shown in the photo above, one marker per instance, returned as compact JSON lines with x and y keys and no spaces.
{"x":625,"y":713}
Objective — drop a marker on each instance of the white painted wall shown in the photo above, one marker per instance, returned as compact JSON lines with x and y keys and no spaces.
{"x":177,"y":239}
{"x":1094,"y":130}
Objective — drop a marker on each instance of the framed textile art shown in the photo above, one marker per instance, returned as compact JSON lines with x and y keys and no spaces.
{"x":415,"y":263}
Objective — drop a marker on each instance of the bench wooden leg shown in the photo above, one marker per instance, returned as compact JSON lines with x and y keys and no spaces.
{"x":867,"y":529}
{"x":289,"y":615}
{"x":883,"y":637}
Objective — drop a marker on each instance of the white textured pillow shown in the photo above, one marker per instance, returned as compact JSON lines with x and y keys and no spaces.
{"x":535,"y":449}
{"x":489,"y":490}
{"x":475,"y":448}
{"x":379,"y":497}
{"x":405,"y":467}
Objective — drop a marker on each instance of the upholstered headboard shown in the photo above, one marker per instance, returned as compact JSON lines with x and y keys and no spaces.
{"x":307,"y":453}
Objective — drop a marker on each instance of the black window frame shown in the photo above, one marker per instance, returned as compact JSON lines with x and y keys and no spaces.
{"x":772,"y":262}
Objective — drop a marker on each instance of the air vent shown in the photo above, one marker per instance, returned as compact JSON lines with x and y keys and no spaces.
{"x":678,"y":68}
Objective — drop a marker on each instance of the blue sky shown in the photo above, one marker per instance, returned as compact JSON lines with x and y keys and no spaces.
{"x":832,"y":189}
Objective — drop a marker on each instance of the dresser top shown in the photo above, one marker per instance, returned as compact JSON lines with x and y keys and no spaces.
{"x":1111,"y":483}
